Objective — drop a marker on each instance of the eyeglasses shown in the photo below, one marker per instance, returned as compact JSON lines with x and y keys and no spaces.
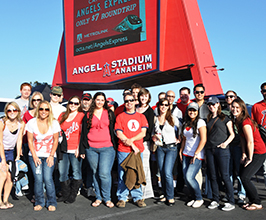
{"x":12,"y":110}
{"x":164,"y":105}
{"x":36,"y":100}
{"x":56,"y":95}
{"x":129,"y":100}
{"x":44,"y":109}
{"x":263,"y":90}
{"x":232,"y":96}
{"x":199,"y":92}
{"x":171,"y":96}
{"x":73,"y":103}
{"x":211,"y":104}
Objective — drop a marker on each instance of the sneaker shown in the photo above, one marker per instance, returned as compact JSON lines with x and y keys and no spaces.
{"x":228,"y":207}
{"x":190,"y":203}
{"x":241,"y":200}
{"x":197,"y":203}
{"x":91,"y":192}
{"x":140,"y":203}
{"x":213,"y":205}
{"x":121,"y":204}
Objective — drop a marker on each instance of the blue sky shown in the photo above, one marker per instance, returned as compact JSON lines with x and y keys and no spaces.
{"x":31,"y":32}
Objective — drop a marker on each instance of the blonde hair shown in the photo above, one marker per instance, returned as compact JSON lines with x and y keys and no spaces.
{"x":34,"y":94}
{"x":15,"y":105}
{"x":50,"y":116}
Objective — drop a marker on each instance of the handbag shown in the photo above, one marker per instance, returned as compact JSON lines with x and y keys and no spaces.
{"x":262,"y":131}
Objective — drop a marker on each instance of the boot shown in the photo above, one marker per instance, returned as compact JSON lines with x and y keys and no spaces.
{"x":65,"y":186}
{"x":74,"y":187}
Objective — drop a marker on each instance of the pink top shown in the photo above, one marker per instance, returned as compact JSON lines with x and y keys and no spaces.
{"x":99,"y":134}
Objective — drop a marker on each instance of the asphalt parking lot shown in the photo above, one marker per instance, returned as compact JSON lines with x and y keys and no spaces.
{"x":82,"y":210}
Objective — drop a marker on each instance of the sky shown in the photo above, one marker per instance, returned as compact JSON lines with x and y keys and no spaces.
{"x":31,"y":33}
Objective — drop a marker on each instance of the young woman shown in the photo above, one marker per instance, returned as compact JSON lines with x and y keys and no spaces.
{"x":235,"y":149}
{"x":194,"y":136}
{"x":253,"y":152}
{"x":43,"y":132}
{"x":11,"y":132}
{"x":144,"y":98}
{"x":70,"y":122}
{"x":165,"y":129}
{"x":98,"y":142}
{"x":34,"y":101}
{"x":219,"y":136}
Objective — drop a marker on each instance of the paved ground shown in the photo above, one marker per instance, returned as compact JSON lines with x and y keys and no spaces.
{"x":82,"y":210}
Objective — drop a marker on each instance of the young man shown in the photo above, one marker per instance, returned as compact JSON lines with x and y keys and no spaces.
{"x":199,"y":93}
{"x":258,"y":114}
{"x":184,"y":94}
{"x":23,"y":101}
{"x":86,"y":100}
{"x":57,"y":96}
{"x":130,"y":128}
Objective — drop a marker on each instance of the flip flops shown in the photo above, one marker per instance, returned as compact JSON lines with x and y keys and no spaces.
{"x":51,"y":208}
{"x":96,"y":203}
{"x":253,"y":207}
{"x":8,"y":205}
{"x":37,"y":208}
{"x":3,"y":206}
{"x":109,"y":204}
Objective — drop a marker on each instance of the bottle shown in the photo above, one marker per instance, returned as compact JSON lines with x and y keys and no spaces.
{"x":38,"y":169}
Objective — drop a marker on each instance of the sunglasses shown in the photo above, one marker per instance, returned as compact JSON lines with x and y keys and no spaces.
{"x":263,"y":90}
{"x":192,"y":110}
{"x":211,"y":104}
{"x":73,"y":103}
{"x":229,"y":96}
{"x":129,"y":100}
{"x":56,"y":95}
{"x":36,"y":100}
{"x":164,"y":105}
{"x":44,"y":109}
{"x":12,"y":110}
{"x":199,"y":92}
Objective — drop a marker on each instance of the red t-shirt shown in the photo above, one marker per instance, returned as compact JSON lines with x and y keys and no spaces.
{"x":26,"y":117}
{"x":259,"y":145}
{"x":183,"y":107}
{"x":119,"y":110}
{"x":99,"y":134}
{"x":130,"y":125}
{"x":72,"y":130}
{"x":258,"y":113}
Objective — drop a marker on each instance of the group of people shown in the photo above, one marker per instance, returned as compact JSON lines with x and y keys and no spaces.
{"x":56,"y":141}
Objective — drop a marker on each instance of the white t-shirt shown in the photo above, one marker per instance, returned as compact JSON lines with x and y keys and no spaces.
{"x":191,"y":142}
{"x":23,"y":105}
{"x":42,"y":143}
{"x":57,"y":110}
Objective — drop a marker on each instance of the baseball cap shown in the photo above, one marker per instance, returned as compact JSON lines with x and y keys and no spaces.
{"x":57,"y":90}
{"x":213,"y":100}
{"x":110,"y":101}
{"x":193,"y":105}
{"x":86,"y":96}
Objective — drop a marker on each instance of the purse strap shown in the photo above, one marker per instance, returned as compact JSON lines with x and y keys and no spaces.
{"x":213,"y":124}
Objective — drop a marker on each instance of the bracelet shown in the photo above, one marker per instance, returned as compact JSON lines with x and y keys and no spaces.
{"x":51,"y":155}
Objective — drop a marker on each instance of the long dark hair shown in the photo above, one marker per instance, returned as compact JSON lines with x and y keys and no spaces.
{"x":93,"y":106}
{"x":168,"y":115}
{"x":219,"y":114}
{"x":67,"y":112}
{"x":187,"y":123}
{"x":243,"y":115}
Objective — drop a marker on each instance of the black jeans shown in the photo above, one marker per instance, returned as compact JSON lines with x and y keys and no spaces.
{"x":220,"y":158}
{"x":247,"y":172}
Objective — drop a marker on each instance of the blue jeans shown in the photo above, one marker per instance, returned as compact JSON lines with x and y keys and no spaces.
{"x":220,"y":158}
{"x":46,"y":177}
{"x":166,"y":157}
{"x":236,"y":154}
{"x":63,"y":167}
{"x":190,"y":171}
{"x":122,"y":190}
{"x":101,"y":161}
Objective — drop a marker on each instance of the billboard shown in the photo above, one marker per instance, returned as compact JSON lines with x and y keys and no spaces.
{"x":109,"y":40}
